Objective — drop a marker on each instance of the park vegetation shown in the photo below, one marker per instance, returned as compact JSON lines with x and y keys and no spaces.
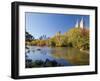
{"x":75,"y":37}
{"x":40,"y":63}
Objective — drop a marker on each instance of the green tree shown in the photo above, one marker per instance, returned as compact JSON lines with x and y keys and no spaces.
{"x":79,"y":38}
{"x":28,"y":36}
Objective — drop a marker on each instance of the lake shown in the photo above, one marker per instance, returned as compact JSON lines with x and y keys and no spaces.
{"x":61,"y":56}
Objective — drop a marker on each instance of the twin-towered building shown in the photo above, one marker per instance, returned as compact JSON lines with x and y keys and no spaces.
{"x":79,"y":24}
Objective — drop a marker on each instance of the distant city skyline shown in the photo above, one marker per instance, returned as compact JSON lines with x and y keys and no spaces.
{"x":39,"y":24}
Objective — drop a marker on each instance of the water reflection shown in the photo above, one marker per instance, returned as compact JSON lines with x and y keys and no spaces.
{"x":55,"y":56}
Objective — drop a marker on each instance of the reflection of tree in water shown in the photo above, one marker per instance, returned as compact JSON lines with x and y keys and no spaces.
{"x":26,"y":56}
{"x":39,"y":63}
{"x":27,"y":50}
{"x":74,"y":56}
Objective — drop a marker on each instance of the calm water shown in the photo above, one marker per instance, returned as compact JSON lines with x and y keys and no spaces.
{"x":62,"y":55}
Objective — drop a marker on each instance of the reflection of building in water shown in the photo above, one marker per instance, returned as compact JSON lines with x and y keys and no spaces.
{"x":79,"y":25}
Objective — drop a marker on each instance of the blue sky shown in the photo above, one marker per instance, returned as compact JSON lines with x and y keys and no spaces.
{"x":48,"y":24}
